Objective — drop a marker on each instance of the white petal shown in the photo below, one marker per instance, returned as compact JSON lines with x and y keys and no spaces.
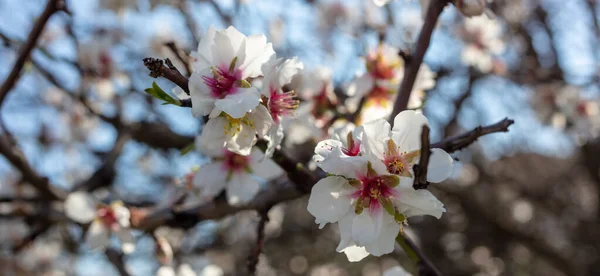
{"x":241,"y":188}
{"x":355,"y":253}
{"x":345,"y":228}
{"x":419,"y":202}
{"x":122,"y":214}
{"x":264,"y":168}
{"x":361,"y":86}
{"x":408,"y":126}
{"x":242,"y":142}
{"x":213,"y":135}
{"x":367,"y":225}
{"x":186,"y":270}
{"x":202,"y":101}
{"x":386,"y":239}
{"x":165,"y":271}
{"x":203,"y":56}
{"x":98,"y":236}
{"x":288,"y":70}
{"x":374,"y":137}
{"x":210,"y":179}
{"x":274,"y":137}
{"x":258,"y":52}
{"x":440,"y":166}
{"x":261,"y":119}
{"x":340,"y":164}
{"x":324,"y":148}
{"x":330,"y":199}
{"x":222,"y":49}
{"x":80,"y":207}
{"x":238,"y":104}
{"x":127,"y":241}
{"x":396,"y":271}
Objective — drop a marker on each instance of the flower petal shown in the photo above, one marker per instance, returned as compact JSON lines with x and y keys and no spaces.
{"x":374,"y":137}
{"x":330,"y":199}
{"x":355,"y":253}
{"x":241,"y":188}
{"x":202,"y":101}
{"x":274,"y":138}
{"x":408,"y":126}
{"x":210,"y":179}
{"x":238,"y":104}
{"x":440,"y":166}
{"x":324,"y":148}
{"x":396,"y":271}
{"x":261,"y":120}
{"x":385,"y":240}
{"x":242,"y":142}
{"x":257,"y":53}
{"x":262,"y":167}
{"x":98,"y":236}
{"x":126,"y":238}
{"x":80,"y":207}
{"x":213,"y":136}
{"x":340,"y":164}
{"x":419,"y":202}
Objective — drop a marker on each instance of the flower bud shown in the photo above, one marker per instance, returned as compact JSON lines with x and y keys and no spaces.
{"x":471,"y":7}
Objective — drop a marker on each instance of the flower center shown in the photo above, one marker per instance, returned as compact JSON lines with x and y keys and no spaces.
{"x":107,"y":216}
{"x":322,"y":103}
{"x":353,"y":146}
{"x":235,"y":162}
{"x":380,"y":67}
{"x":282,"y":104}
{"x":374,"y":191}
{"x":234,"y":125}
{"x":399,"y":163}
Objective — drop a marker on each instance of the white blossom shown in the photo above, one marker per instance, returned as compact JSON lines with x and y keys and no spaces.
{"x":81,"y":207}
{"x":236,"y":174}
{"x":372,"y":170}
{"x":223,"y":65}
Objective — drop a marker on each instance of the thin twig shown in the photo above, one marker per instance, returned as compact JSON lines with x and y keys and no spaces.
{"x":189,"y":21}
{"x":171,"y":45}
{"x":412,"y":67}
{"x":424,"y":266}
{"x":158,"y":69}
{"x":116,"y":258}
{"x":459,"y":142}
{"x":260,"y":240}
{"x":51,"y":7}
{"x":420,"y":169}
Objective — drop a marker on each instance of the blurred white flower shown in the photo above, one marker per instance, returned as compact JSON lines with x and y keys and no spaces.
{"x":81,"y":207}
{"x":372,"y":170}
{"x":224,"y":62}
{"x":396,"y":271}
{"x":483,"y":42}
{"x":236,"y":174}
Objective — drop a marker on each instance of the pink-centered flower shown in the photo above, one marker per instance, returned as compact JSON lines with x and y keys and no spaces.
{"x":372,"y":170}
{"x":223,"y":68}
{"x":236,"y":174}
{"x":81,"y":207}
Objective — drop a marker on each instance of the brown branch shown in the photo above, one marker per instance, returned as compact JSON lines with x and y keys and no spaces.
{"x":158,"y":69}
{"x":116,"y":258}
{"x":459,"y":142}
{"x":424,"y":265}
{"x":38,"y":230}
{"x":51,"y":7}
{"x":260,"y":240}
{"x":420,"y":169}
{"x":412,"y":68}
{"x":171,"y":45}
{"x":16,"y":157}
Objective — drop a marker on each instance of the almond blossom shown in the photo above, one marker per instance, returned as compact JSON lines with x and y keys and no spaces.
{"x":279,"y":72}
{"x":369,"y":191}
{"x":482,"y":35}
{"x":81,"y":207}
{"x":223,"y":67}
{"x":380,"y":84}
{"x":235,"y":173}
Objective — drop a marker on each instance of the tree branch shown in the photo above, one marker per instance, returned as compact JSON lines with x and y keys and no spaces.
{"x":459,"y":142}
{"x":158,"y":69}
{"x":51,"y":7}
{"x":420,"y":169}
{"x":424,"y":266}
{"x":412,"y":67}
{"x":260,"y":240}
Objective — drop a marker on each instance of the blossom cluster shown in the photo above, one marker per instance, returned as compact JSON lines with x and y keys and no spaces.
{"x":225,"y":67}
{"x":369,"y":190}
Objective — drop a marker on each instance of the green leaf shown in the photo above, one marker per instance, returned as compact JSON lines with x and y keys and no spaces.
{"x":387,"y":205}
{"x":157,"y":92}
{"x":187,"y":149}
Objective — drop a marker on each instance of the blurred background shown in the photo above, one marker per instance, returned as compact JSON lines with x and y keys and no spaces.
{"x":519,"y":203}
